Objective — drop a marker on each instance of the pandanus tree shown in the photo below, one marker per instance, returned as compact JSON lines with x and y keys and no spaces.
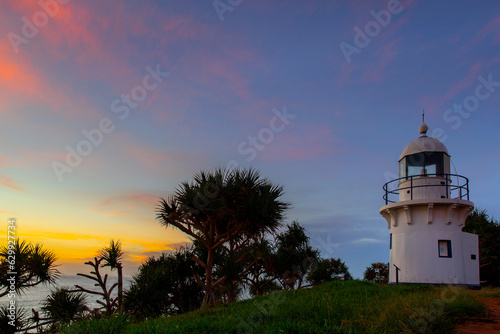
{"x":164,"y":286}
{"x":222,"y":208}
{"x":112,"y":257}
{"x":294,"y":257}
{"x":24,"y":265}
{"x":258,"y":261}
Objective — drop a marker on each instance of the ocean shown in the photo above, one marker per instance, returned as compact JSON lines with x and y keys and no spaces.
{"x":33,"y":298}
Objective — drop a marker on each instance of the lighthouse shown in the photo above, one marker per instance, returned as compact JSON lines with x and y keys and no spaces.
{"x":425,"y":209}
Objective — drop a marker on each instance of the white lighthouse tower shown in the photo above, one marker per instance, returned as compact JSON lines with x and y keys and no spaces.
{"x":425,"y":211}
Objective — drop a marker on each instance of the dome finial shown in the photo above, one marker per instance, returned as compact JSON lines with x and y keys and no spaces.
{"x":422,"y":129}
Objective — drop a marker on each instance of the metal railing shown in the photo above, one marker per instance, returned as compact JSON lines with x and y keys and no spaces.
{"x":460,"y":190}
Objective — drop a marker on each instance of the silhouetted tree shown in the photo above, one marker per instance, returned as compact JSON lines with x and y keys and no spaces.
{"x":257,"y":258}
{"x":165,"y":286}
{"x":488,"y":230}
{"x":108,"y":303}
{"x":112,"y":257}
{"x":218,"y":207}
{"x":62,"y":306}
{"x":377,"y":272}
{"x":329,"y":270}
{"x":228,"y":264}
{"x":294,"y":257}
{"x":13,"y":319}
{"x":24,"y":265}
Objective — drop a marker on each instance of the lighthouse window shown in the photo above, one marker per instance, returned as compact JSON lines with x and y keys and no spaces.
{"x":427,"y":163}
{"x":444,"y":248}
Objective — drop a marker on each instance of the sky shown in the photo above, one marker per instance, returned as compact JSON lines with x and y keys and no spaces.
{"x":106,"y":106}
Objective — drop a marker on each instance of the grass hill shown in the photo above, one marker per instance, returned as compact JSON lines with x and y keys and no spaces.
{"x":337,"y":307}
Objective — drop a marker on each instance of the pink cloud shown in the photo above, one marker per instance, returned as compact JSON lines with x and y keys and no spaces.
{"x":466,"y":83}
{"x":492,"y":27}
{"x":378,"y":72}
{"x":117,"y":213}
{"x":156,"y":159}
{"x":224,"y":72}
{"x":382,"y":48}
{"x":127,"y":203}
{"x":131,"y":199}
{"x":18,"y":79}
{"x":310,"y":141}
{"x":9,"y":183}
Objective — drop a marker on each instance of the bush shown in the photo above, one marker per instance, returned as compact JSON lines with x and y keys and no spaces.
{"x":328,"y":270}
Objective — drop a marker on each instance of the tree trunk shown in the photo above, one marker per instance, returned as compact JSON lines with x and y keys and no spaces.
{"x":209,"y":299}
{"x":120,"y":288}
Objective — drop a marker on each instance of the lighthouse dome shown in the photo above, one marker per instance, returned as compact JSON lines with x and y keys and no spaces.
{"x":425,"y":156}
{"x":424,"y":144}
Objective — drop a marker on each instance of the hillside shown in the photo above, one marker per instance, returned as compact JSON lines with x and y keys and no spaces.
{"x":337,"y":307}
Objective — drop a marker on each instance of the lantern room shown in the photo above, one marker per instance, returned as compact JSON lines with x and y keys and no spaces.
{"x":425,"y":156}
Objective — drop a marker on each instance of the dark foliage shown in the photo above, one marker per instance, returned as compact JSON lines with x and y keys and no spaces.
{"x":33,"y":266}
{"x":165,"y":286}
{"x":63,"y":306}
{"x":12,"y":319}
{"x":294,"y":257}
{"x":377,"y":272}
{"x":112,"y":257}
{"x":223,"y":208}
{"x":327,"y":270}
{"x":488,"y":230}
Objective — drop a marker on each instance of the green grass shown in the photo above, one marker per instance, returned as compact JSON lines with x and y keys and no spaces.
{"x":338,"y":307}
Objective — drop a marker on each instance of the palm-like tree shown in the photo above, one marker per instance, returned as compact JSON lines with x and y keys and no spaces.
{"x":258,"y":260}
{"x":112,"y":257}
{"x":63,"y":305}
{"x":221,"y":207}
{"x":32,"y":266}
{"x":294,"y":257}
{"x":20,"y":322}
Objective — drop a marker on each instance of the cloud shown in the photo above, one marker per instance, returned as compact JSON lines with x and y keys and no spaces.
{"x":371,"y":65}
{"x":9,"y":183}
{"x":225,"y":72}
{"x":169,"y":249}
{"x":126,"y":204}
{"x":369,"y":241}
{"x":386,"y":55}
{"x":464,"y":84}
{"x":490,"y":28}
{"x":155,"y":158}
{"x":309,"y":141}
{"x":117,"y":213}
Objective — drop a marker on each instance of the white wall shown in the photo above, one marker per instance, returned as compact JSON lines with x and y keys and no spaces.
{"x":416,"y":230}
